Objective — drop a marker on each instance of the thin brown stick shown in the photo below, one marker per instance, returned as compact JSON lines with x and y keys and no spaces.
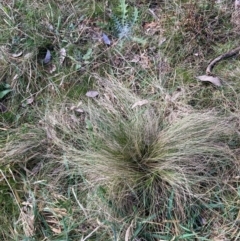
{"x":229,"y":54}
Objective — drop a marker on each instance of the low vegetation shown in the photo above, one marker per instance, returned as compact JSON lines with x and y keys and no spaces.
{"x":106,"y":133}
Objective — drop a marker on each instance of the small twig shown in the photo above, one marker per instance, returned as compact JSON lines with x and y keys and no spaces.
{"x":229,"y":54}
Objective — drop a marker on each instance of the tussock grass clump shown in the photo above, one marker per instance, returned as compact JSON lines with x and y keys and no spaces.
{"x":131,"y":163}
{"x":139,"y":161}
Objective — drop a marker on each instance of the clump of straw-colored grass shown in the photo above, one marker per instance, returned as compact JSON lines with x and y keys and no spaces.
{"x":138,"y":159}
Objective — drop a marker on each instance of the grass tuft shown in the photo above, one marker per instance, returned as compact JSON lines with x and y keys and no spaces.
{"x":138,"y":162}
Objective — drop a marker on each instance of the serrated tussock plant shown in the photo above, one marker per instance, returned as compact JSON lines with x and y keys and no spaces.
{"x":135,"y":162}
{"x":140,"y":160}
{"x":123,"y":22}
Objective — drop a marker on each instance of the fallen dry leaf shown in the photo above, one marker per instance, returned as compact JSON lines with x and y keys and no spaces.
{"x":92,"y":94}
{"x":30,"y":101}
{"x":17,"y":54}
{"x":207,"y":78}
{"x":47,"y":58}
{"x":106,"y":39}
{"x":140,"y":103}
{"x":79,"y":110}
{"x":63,"y":55}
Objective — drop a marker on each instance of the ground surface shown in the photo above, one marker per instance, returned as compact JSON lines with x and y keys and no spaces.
{"x":106,"y":133}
